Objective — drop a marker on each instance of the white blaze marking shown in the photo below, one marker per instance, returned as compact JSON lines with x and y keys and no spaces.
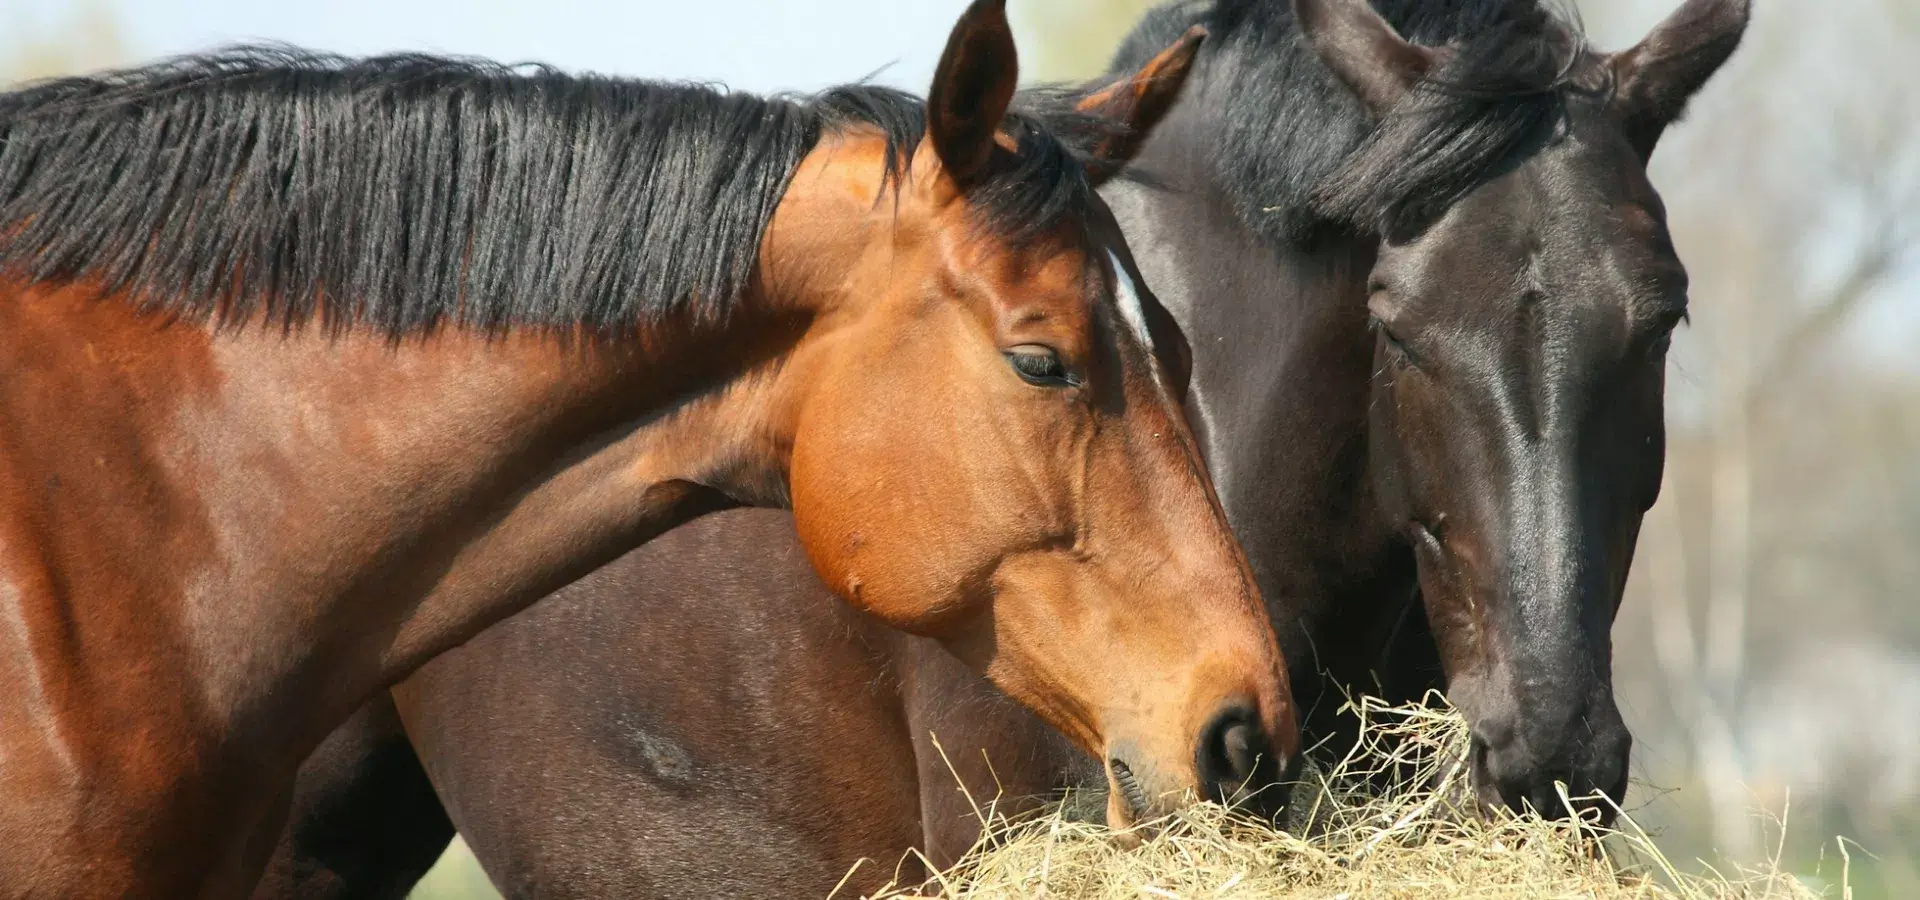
{"x":1129,"y":298}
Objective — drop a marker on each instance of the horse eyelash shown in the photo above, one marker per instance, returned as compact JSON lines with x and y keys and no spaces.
{"x":1402,"y":356}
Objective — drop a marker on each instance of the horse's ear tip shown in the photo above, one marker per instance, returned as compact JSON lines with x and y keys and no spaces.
{"x":1736,"y":11}
{"x":1190,"y":42}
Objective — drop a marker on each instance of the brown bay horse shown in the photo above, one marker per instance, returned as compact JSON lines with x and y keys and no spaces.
{"x":1428,"y":326}
{"x":313,"y":368}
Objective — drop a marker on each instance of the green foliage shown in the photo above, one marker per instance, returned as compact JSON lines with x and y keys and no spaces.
{"x":1071,"y":40}
{"x":89,"y":39}
{"x":457,"y":876}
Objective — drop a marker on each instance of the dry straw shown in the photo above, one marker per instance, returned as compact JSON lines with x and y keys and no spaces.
{"x":1416,"y":838}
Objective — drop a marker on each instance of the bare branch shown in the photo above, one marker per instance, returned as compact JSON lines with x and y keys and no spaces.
{"x":1869,"y":271}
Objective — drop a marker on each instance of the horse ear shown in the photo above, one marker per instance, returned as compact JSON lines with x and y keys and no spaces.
{"x":1137,"y":102}
{"x":1655,"y":79}
{"x":1363,"y":50}
{"x":972,"y":89}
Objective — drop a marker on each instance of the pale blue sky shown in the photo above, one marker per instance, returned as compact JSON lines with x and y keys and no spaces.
{"x":757,"y":45}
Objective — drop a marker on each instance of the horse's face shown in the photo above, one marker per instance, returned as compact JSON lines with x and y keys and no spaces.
{"x":992,"y":452}
{"x":1520,"y":354}
{"x":1520,"y":360}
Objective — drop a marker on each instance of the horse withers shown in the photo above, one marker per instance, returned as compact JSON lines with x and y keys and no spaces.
{"x":314,"y":368}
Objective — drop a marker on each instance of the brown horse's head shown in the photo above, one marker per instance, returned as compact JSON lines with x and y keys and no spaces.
{"x":987,"y":444}
{"x":1523,"y":297}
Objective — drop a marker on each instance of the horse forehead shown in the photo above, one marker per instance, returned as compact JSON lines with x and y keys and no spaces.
{"x":1578,"y":180}
{"x":1559,"y":184}
{"x":1543,"y":228}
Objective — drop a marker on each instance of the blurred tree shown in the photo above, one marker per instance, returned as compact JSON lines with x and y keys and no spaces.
{"x":1786,"y":529}
{"x":1071,"y":40}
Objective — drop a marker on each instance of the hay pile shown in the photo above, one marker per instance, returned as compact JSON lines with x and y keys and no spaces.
{"x":1418,"y":840}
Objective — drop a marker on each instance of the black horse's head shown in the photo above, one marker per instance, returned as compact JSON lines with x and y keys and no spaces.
{"x":1523,"y":296}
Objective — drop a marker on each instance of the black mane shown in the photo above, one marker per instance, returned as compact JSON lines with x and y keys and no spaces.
{"x":1297,"y":154}
{"x":408,"y":191}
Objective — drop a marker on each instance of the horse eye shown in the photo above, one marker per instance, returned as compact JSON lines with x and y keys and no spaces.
{"x":1663,"y":337}
{"x":1400,"y":352}
{"x":1039,"y":365}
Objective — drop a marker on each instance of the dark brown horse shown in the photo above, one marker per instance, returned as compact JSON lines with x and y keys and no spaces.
{"x":314,"y":368}
{"x":1428,"y":322}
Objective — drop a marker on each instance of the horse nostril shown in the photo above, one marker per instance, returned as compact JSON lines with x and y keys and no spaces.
{"x":1233,"y":752}
{"x":1240,"y":741}
{"x":1509,"y":771}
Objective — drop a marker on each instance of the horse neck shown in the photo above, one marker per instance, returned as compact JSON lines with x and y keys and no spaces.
{"x":335,"y":509}
{"x":643,"y":435}
{"x":1282,"y":376}
{"x":836,"y":210}
{"x":837,"y":232}
{"x":631,"y":442}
